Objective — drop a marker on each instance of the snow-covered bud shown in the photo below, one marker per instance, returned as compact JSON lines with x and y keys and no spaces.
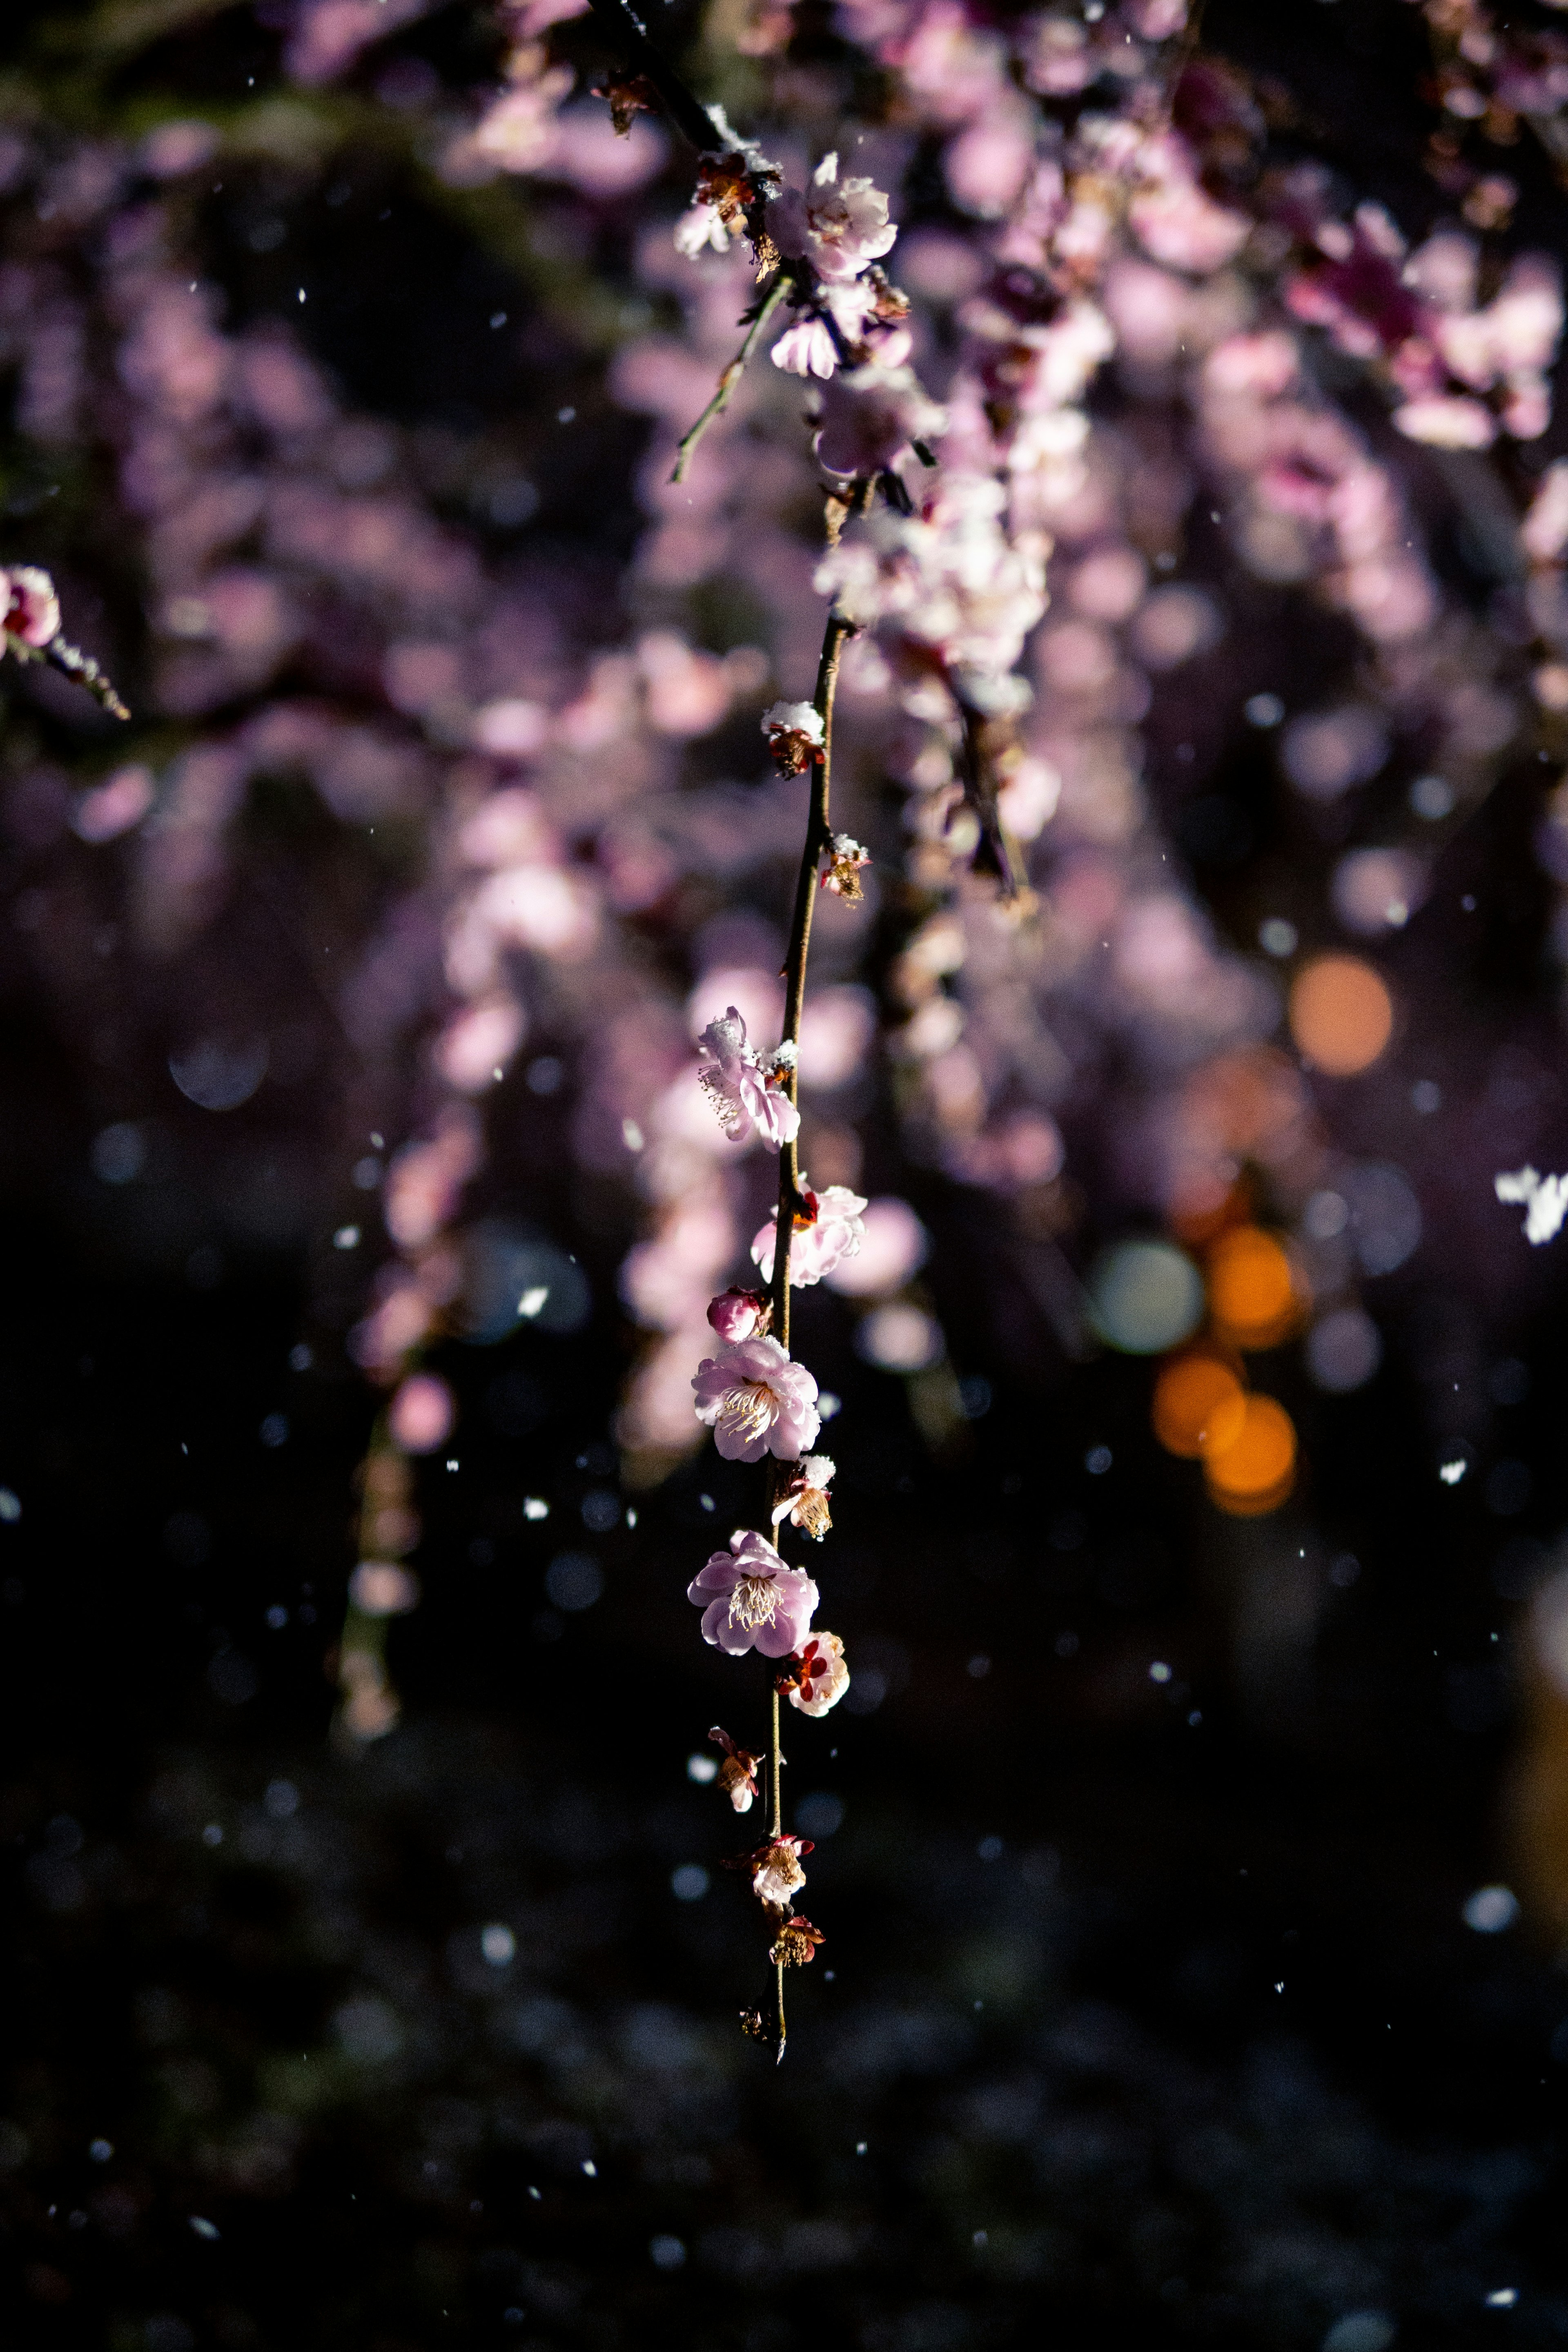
{"x":842,"y":874}
{"x":32,"y":607}
{"x":795,"y":734}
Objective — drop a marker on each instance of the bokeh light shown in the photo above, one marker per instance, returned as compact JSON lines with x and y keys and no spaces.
{"x":1252,"y":1288}
{"x":1341,"y":1015}
{"x":1256,"y":1471}
{"x":1199,"y":1404}
{"x":1147,"y":1295}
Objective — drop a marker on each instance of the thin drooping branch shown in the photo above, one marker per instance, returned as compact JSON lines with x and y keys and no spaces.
{"x":819,"y":838}
{"x":775,"y":1766}
{"x":731,"y":376}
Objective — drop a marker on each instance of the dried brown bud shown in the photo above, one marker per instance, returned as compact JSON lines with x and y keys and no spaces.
{"x":795,"y":1944}
{"x":630,"y":95}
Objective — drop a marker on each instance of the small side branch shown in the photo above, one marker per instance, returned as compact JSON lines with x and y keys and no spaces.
{"x":732,"y":374}
{"x":690,"y":116}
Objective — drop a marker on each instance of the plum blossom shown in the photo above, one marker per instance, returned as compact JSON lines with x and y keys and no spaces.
{"x":751,"y":1599}
{"x":804,"y":1501}
{"x":818,"y":1678}
{"x":839,"y":225}
{"x":805,"y":349}
{"x":32,"y":607}
{"x":739,"y":1314}
{"x":795,"y":735}
{"x":757,"y":1401}
{"x":795,"y":1944}
{"x":1544,"y":1200}
{"x":871,"y":416}
{"x":827,"y":1229}
{"x":776,"y":1874}
{"x":738,"y":1772}
{"x":739,"y":1089}
{"x":697,"y":229}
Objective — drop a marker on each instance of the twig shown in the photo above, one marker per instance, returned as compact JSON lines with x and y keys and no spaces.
{"x":732,"y":374}
{"x":690,"y":116}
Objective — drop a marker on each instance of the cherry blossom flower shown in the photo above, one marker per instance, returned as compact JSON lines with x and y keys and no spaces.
{"x":841,"y":875}
{"x":757,"y":1401}
{"x":751,"y":1599}
{"x":776,"y":1874}
{"x":795,"y":733}
{"x":739,"y":1314}
{"x":818,"y":1678}
{"x":871,"y":416}
{"x":805,"y":349}
{"x":739,"y":1089}
{"x":701,"y":227}
{"x":839,"y":225}
{"x":804,"y":1501}
{"x":32,"y":607}
{"x":827,"y":1229}
{"x":738,"y":1772}
{"x":795,"y":1944}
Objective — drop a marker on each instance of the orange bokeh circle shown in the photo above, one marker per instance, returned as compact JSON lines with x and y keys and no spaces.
{"x":1252,"y":1291}
{"x":1256,"y":1473}
{"x":1341,"y":1015}
{"x":1198,"y":1404}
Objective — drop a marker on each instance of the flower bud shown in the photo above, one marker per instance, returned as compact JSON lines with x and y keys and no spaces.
{"x":739,"y":1314}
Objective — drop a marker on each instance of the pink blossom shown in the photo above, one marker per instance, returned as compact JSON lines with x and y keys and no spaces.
{"x":750,"y":1599}
{"x":871,"y":416}
{"x":1545,"y":528}
{"x":379,"y":1588}
{"x":757,"y":1399}
{"x":114,"y":807}
{"x":894,"y":1247}
{"x":738,"y":1315}
{"x":698,"y":229}
{"x":805,"y":349}
{"x":422,"y":1414}
{"x":739,"y":1089}
{"x":479,"y":1041}
{"x":818,"y":1678}
{"x":827,"y":1231}
{"x":841,"y":227}
{"x":1446,"y":422}
{"x":32,"y":607}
